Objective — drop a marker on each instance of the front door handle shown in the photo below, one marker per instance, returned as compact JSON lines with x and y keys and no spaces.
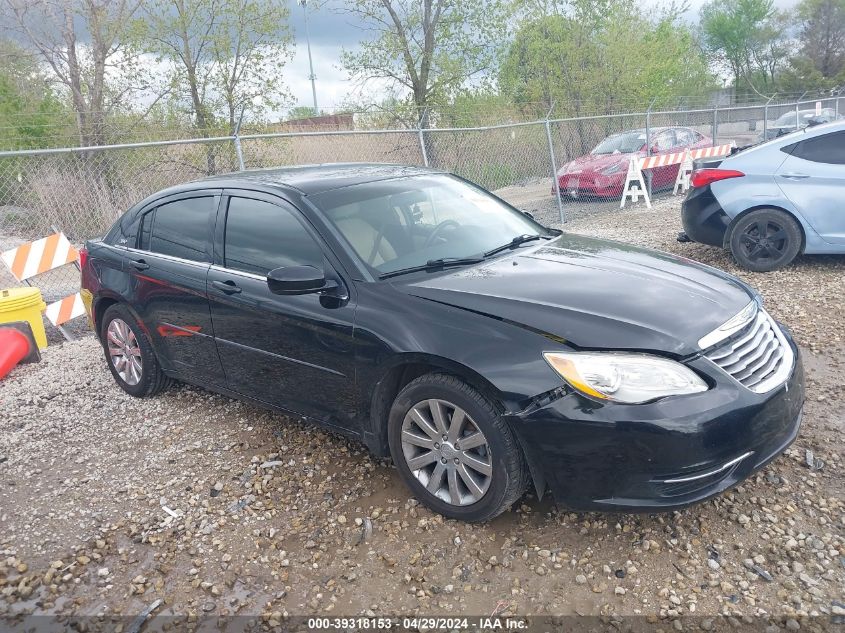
{"x":794,"y":176}
{"x":229,"y":287}
{"x":139,"y":264}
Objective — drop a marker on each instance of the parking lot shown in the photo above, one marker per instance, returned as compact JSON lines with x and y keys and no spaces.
{"x":108,"y":503}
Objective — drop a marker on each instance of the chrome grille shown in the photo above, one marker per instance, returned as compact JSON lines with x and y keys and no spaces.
{"x":757,"y":356}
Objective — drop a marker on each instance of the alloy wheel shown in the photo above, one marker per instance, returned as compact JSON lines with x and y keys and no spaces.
{"x":124,"y":351}
{"x":764,"y":240}
{"x":447,"y":452}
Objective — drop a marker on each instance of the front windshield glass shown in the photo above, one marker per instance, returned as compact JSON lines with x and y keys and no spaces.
{"x":405,"y":222}
{"x":788,"y":119}
{"x":625,"y":143}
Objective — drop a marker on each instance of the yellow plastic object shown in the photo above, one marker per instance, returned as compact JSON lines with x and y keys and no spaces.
{"x":24,"y":304}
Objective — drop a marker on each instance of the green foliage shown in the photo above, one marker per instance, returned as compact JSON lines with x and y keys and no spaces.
{"x":429,"y":49}
{"x":597,"y":57}
{"x":820,"y":62}
{"x":302,"y":112}
{"x":224,"y":56}
{"x":31,"y":116}
{"x":748,"y":38}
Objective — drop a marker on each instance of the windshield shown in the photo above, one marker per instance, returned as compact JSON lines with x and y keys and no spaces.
{"x":404,"y":222}
{"x":625,"y":143}
{"x":788,"y":119}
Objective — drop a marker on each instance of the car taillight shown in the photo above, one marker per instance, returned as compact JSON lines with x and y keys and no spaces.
{"x":83,"y":257}
{"x":704,"y":177}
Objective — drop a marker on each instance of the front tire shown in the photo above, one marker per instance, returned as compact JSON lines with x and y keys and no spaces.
{"x":453,"y":450}
{"x":129,"y":354}
{"x":765,"y":240}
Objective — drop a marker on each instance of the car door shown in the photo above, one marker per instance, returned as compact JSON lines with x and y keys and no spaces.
{"x":167,"y":274}
{"x":663,"y":143}
{"x":291,"y":351}
{"x":813,"y":178}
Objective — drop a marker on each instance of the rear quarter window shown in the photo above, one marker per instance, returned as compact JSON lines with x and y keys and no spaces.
{"x":828,"y":148}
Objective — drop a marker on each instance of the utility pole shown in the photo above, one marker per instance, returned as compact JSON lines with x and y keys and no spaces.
{"x":311,"y":76}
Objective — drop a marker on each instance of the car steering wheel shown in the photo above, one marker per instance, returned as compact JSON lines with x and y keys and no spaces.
{"x":439,"y":229}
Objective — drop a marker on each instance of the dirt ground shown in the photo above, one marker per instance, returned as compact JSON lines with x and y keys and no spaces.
{"x":108,"y":503}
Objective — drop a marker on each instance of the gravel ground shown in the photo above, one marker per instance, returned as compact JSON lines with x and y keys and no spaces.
{"x":108,"y":503}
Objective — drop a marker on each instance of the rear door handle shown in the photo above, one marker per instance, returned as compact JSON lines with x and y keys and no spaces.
{"x":229,"y":287}
{"x":794,"y":176}
{"x":139,"y":264}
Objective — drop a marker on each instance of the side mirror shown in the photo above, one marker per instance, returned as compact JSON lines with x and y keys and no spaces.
{"x":298,"y":280}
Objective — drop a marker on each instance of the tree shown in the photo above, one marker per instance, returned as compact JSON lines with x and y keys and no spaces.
{"x":749,"y":38}
{"x":591,"y":57}
{"x":225,"y":55}
{"x":428,"y":50}
{"x":297,"y":113}
{"x":31,"y":116}
{"x":822,"y":35}
{"x":83,"y":43}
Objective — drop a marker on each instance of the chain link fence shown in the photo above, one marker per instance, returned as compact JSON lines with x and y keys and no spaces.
{"x":81,"y":191}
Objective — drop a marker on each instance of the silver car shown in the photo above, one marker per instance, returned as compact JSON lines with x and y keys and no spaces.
{"x":773,"y":201}
{"x":789,"y":122}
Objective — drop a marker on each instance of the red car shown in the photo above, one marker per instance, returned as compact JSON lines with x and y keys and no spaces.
{"x":601,"y":173}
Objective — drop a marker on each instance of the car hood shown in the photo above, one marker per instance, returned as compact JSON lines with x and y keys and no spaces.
{"x":595,"y":162}
{"x":595,"y":294}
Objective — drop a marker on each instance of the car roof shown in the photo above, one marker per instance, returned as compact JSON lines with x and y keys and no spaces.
{"x":787,"y":139}
{"x":311,"y":179}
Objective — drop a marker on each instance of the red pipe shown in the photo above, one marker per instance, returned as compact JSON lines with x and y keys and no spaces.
{"x":14,"y":347}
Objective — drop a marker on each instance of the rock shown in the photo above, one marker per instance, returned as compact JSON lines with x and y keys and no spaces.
{"x":581,"y":579}
{"x":102,"y":572}
{"x":792,"y":624}
{"x":713,"y":564}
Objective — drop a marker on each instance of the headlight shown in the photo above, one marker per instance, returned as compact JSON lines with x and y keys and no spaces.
{"x":613,"y":169}
{"x":624,"y":377}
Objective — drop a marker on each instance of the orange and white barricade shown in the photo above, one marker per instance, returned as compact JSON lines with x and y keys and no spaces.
{"x":682,"y":180}
{"x":634,"y":184}
{"x":40,"y":256}
{"x":684,"y":159}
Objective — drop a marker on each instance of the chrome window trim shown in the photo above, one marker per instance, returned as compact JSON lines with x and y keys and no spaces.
{"x":722,"y":468}
{"x":234,"y":271}
{"x":178,"y":260}
{"x":731,"y":326}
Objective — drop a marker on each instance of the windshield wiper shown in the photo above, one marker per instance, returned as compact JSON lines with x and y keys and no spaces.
{"x":519,"y":239}
{"x":434,"y":264}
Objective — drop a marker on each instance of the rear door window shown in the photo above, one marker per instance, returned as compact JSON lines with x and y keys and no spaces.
{"x":828,"y":148}
{"x":261,"y":236}
{"x":180,"y":229}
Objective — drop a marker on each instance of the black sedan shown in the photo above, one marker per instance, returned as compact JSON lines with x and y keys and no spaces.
{"x":482,"y":351}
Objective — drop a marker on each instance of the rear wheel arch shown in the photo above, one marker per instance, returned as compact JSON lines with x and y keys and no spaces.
{"x":100,"y":305}
{"x":735,"y":220}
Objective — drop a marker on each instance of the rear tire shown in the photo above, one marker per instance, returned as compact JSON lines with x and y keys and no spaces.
{"x":130,"y":355}
{"x":765,"y":240}
{"x":474,"y":473}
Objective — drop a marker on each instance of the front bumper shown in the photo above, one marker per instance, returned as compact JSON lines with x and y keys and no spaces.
{"x":664,"y":455}
{"x":590,"y":185}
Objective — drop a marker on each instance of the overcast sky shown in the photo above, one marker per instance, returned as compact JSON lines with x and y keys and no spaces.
{"x":330,"y":32}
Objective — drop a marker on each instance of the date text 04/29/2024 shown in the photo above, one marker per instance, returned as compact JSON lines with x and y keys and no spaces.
{"x":418,"y":623}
